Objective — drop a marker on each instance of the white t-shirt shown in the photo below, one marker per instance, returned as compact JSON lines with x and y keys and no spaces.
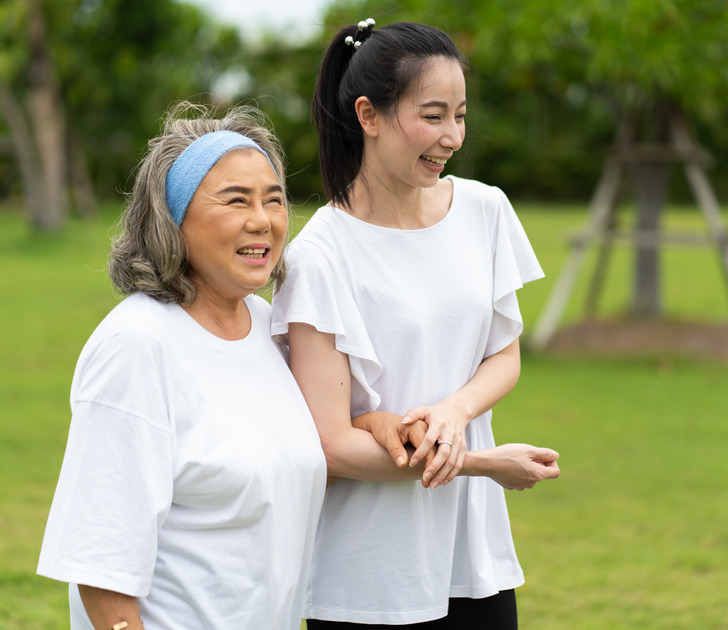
{"x":193,"y":475}
{"x":416,"y":311}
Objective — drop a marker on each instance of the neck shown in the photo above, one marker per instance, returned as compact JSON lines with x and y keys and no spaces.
{"x":404,"y":207}
{"x":227,"y":318}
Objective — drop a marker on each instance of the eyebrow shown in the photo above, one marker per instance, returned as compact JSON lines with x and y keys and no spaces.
{"x":246,"y":191}
{"x":441,"y":104}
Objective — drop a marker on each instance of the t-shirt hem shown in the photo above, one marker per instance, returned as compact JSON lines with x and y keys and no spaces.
{"x":126,"y":585}
{"x":488,"y":590}
{"x":368,"y":617}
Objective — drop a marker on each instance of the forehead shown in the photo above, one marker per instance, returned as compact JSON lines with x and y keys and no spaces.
{"x":440,"y":78}
{"x":242,"y":164}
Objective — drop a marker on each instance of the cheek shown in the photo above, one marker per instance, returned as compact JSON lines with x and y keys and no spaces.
{"x":280,"y":229}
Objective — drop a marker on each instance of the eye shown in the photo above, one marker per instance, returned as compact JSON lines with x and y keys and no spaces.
{"x":275,"y":201}
{"x":432,"y":117}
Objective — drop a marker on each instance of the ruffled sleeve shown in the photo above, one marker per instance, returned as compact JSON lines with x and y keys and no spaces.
{"x":514,"y":264}
{"x":316,"y":293}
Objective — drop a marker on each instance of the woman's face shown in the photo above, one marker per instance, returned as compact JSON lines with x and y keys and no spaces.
{"x":414,"y":142}
{"x":235,"y":226}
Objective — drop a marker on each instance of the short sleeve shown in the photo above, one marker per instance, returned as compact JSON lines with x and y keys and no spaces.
{"x":514,"y":264}
{"x":115,"y":486}
{"x":315,"y":293}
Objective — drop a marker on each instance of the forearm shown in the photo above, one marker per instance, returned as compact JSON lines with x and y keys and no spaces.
{"x":355,"y":454}
{"x":106,"y":609}
{"x":493,"y":380}
{"x":513,"y":466}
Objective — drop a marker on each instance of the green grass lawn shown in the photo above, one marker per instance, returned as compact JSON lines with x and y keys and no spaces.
{"x":633,"y":535}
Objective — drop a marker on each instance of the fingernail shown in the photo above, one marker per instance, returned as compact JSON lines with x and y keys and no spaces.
{"x":427,"y":477}
{"x":405,"y":420}
{"x":413,"y":462}
{"x":434,"y":485}
{"x":400,"y":461}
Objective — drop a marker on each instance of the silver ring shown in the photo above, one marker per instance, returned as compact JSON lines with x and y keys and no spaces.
{"x":445,"y":442}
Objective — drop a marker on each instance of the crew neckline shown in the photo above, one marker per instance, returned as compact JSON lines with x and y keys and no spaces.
{"x":343,"y":213}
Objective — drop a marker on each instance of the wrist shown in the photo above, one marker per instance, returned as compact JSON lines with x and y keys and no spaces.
{"x":458,"y":409}
{"x":477,"y":464}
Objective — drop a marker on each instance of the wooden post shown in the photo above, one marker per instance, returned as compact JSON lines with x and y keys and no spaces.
{"x":649,"y":168}
{"x":649,"y":180}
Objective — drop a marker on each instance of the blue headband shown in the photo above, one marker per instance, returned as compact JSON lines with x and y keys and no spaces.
{"x":190,"y":168}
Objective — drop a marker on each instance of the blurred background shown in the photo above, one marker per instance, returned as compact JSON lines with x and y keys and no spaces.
{"x":600,"y":118}
{"x":84,"y":83}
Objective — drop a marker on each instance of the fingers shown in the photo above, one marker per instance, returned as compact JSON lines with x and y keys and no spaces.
{"x":435,"y":468}
{"x":427,"y":443}
{"x":454,"y":462}
{"x":551,"y":470}
{"x":398,"y":454}
{"x":392,"y":441}
{"x":413,"y":415}
{"x":545,"y":455}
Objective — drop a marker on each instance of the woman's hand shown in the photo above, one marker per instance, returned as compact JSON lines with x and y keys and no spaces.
{"x":445,"y":433}
{"x":391,"y":433}
{"x":513,"y":466}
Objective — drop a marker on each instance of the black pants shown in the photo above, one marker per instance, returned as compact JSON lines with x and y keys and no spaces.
{"x":490,"y":613}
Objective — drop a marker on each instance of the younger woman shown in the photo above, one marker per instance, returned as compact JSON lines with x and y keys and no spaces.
{"x":401,"y":299}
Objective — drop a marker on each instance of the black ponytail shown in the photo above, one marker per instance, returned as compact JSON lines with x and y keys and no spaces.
{"x":383,"y":69}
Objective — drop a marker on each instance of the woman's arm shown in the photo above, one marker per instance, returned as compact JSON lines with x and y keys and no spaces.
{"x":323,"y":374}
{"x":513,"y":466}
{"x":495,"y":377}
{"x":109,"y":609}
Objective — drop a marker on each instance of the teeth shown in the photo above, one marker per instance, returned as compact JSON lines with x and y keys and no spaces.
{"x":433,"y":160}
{"x":252,"y":252}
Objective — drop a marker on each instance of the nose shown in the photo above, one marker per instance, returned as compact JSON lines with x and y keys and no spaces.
{"x":453,"y":134}
{"x":258,"y":220}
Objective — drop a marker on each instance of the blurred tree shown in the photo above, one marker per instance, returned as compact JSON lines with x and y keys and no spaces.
{"x":83,"y":85}
{"x":280,"y":77}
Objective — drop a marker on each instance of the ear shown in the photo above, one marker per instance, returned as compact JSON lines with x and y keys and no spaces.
{"x":367,"y":116}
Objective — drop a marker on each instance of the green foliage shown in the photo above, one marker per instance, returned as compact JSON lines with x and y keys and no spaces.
{"x":129,"y":61}
{"x":633,"y":535}
{"x":120,"y":64}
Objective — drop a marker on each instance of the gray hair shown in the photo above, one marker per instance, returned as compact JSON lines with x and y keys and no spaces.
{"x":150,"y":254}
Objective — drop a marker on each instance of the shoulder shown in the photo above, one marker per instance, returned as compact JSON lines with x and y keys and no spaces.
{"x":136,"y":317}
{"x":471,"y":190}
{"x":319,"y":242}
{"x":130,"y":350}
{"x":138,"y":326}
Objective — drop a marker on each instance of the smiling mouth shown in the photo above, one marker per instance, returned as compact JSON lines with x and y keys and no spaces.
{"x":253,"y":252}
{"x":433,"y":160}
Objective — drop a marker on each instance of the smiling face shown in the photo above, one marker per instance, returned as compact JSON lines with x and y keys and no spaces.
{"x":411,"y":146}
{"x":235,"y":227}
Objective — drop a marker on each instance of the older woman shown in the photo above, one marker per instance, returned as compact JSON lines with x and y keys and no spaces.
{"x":193,"y":475}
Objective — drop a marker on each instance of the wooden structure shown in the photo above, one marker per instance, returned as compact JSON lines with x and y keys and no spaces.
{"x":647,"y":166}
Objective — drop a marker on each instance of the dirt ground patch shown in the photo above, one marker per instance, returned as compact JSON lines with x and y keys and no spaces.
{"x":644,"y":338}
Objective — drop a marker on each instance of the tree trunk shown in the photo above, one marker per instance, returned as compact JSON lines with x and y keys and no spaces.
{"x":45,"y":111}
{"x":81,"y":186}
{"x":650,"y":185}
{"x":24,"y":151}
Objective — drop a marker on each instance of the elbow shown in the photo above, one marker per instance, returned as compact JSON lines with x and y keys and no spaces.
{"x":333,"y":453}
